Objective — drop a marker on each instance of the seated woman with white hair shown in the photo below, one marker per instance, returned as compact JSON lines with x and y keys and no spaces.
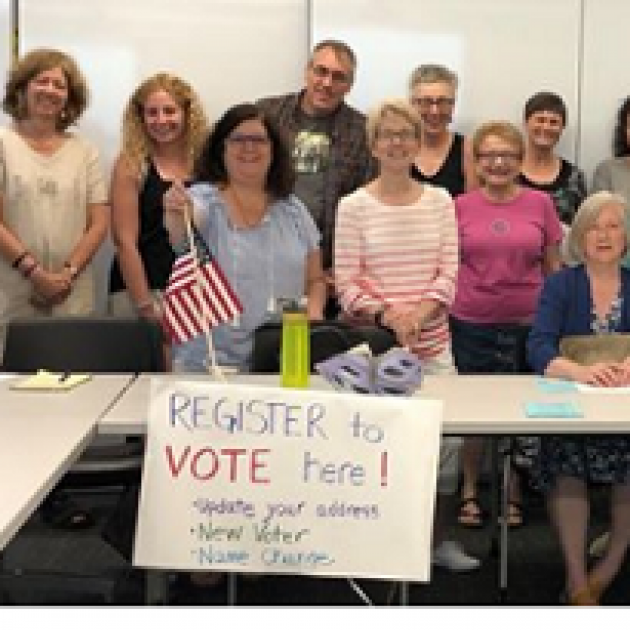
{"x":591,"y":298}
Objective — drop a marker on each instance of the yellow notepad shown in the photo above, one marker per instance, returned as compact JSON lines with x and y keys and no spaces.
{"x":44,"y":380}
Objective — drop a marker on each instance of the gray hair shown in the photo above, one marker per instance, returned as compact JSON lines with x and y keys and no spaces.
{"x":433,"y":73}
{"x":586,"y":215}
{"x":341,"y":50}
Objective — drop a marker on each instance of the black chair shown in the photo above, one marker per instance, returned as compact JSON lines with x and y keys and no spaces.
{"x":95,"y":345}
{"x":86,"y":344}
{"x":328,"y":338}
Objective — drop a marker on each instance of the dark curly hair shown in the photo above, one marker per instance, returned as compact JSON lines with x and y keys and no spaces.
{"x":211,"y":163}
{"x":621,"y":147}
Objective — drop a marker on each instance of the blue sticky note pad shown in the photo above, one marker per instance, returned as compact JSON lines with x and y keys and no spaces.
{"x":552,"y":410}
{"x":551,"y":385}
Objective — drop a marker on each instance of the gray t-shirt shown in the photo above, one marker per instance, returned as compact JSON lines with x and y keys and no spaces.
{"x":311,"y":158}
{"x":262,"y":264}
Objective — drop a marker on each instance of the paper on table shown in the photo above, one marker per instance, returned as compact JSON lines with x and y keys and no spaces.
{"x":598,"y":389}
{"x":44,"y":380}
{"x":556,"y":385}
{"x":552,"y":410}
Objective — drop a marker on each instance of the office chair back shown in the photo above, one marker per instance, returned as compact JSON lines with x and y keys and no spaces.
{"x":328,"y":338}
{"x":83,"y":344}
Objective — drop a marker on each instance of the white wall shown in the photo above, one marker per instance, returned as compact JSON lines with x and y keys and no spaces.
{"x":229,"y":50}
{"x":605,"y":76}
{"x":232,"y":50}
{"x":5,"y":46}
{"x":503,"y":51}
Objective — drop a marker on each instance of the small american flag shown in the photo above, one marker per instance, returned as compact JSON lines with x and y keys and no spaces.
{"x":198,"y":295}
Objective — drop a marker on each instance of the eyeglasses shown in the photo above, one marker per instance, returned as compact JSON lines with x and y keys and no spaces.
{"x":336,"y":76}
{"x":242,"y":139}
{"x":504,"y":156}
{"x":389,"y":135}
{"x":606,"y":228}
{"x":425,"y":102}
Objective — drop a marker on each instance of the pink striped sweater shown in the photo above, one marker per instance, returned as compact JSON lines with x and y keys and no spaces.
{"x":398,"y":255}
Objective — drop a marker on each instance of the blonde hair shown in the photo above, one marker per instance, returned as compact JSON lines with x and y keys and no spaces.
{"x":34,"y":63}
{"x":501,"y":129}
{"x":585,"y":217}
{"x":136,"y":144}
{"x":433,"y":73}
{"x":396,"y":106}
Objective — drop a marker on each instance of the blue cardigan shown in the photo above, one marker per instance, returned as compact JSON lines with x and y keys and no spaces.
{"x":564,"y":309}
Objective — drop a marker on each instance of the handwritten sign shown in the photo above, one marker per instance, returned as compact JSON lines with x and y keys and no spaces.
{"x":271,"y":480}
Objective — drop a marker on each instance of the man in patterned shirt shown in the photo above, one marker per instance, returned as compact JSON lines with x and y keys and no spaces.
{"x":330,"y":150}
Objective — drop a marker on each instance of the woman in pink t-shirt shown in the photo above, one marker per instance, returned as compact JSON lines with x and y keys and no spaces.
{"x":509,"y":238}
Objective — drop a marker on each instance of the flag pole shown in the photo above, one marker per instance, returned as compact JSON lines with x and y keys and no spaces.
{"x":214,"y":367}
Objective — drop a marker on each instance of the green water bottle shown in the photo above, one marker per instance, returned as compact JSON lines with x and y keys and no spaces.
{"x":296,"y":361}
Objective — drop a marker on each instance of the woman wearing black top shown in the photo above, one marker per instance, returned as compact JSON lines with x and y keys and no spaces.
{"x":545,"y":119}
{"x":164,"y":128}
{"x":445,"y":158}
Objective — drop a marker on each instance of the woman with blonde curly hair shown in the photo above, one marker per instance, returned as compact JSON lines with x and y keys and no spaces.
{"x":164,"y":127}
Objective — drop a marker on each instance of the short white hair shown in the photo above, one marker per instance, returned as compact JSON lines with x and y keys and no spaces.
{"x":587,"y":215}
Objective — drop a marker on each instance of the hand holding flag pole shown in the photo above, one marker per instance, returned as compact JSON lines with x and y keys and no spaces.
{"x":198,"y":295}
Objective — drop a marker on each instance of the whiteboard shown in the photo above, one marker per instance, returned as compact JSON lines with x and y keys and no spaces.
{"x":606,"y":76}
{"x":503,"y":51}
{"x":229,"y":50}
{"x":6,"y":40}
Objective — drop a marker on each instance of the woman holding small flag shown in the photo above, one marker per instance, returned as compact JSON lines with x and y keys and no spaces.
{"x":255,"y":243}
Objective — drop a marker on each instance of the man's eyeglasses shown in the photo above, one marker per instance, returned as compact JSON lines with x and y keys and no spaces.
{"x":389,"y":135}
{"x":252,"y":139}
{"x":425,"y":102}
{"x":504,"y":156}
{"x":336,"y":76}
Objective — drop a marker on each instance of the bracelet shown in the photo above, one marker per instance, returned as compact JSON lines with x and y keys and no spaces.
{"x":74,"y":272}
{"x":16,"y":263}
{"x":29,"y":271}
{"x":142,"y":306}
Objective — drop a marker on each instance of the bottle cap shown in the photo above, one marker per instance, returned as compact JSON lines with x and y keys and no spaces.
{"x":291,"y":305}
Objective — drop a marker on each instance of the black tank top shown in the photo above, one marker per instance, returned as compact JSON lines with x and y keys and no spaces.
{"x":155,"y":249}
{"x":451,"y":174}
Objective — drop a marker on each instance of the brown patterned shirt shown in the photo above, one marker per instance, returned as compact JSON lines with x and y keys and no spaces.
{"x":350,"y":163}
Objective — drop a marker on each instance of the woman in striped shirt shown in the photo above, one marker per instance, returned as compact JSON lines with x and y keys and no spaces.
{"x":396,"y":260}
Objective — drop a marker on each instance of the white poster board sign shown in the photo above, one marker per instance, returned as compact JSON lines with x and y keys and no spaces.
{"x":269,"y":480}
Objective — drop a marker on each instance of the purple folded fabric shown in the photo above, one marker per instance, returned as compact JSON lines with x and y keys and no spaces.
{"x":396,"y":372}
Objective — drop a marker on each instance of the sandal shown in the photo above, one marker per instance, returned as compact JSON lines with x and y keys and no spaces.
{"x":515,"y":514}
{"x":470,"y":513}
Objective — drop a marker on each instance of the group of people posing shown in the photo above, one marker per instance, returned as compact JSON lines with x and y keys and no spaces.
{"x":480,"y":254}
